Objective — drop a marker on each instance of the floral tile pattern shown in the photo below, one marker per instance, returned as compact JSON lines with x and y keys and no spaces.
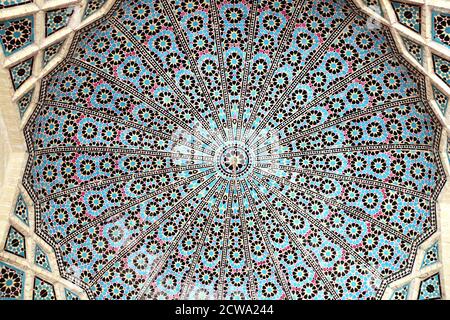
{"x":401,"y":293}
{"x":51,"y":52}
{"x":408,"y":14}
{"x":171,"y":159}
{"x":11,"y":282}
{"x":16,"y":34}
{"x":21,"y":210}
{"x":21,"y":72}
{"x":15,"y":243}
{"x":430,"y":288}
{"x":41,"y":259}
{"x":43,"y":290}
{"x":92,"y":6}
{"x":414,"y":49}
{"x":57,"y":19}
{"x":441,"y":27}
{"x":442,"y":68}
{"x":431,"y":256}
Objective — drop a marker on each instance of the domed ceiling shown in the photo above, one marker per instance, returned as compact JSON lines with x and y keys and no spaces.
{"x":234,"y":149}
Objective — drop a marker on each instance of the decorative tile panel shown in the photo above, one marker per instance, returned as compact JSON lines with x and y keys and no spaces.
{"x":43,"y":290}
{"x":41,"y":259}
{"x":441,"y":99}
{"x":51,"y":52}
{"x":12,"y":282}
{"x":431,"y":256}
{"x":57,"y":19}
{"x":15,"y":243}
{"x":21,"y":72}
{"x":401,"y":293}
{"x":442,"y":68}
{"x":430,"y":288}
{"x":70,"y":295}
{"x":441,"y":27}
{"x":21,"y":210}
{"x":92,"y":6}
{"x":408,"y":14}
{"x":16,"y":34}
{"x":414,"y":49}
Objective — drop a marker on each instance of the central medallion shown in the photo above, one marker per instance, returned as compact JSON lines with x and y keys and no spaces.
{"x":234,"y":160}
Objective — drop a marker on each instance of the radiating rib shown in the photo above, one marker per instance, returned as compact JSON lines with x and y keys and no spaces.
{"x":310,"y":258}
{"x":219,"y":49}
{"x":145,"y":54}
{"x":111,"y":213}
{"x":373,"y":147}
{"x":221,"y":282}
{"x":136,"y":241}
{"x":359,"y":214}
{"x":189,"y":279}
{"x":365,"y":181}
{"x":113,"y":81}
{"x":324,"y":229}
{"x":287,"y":32}
{"x":128,"y":123}
{"x":174,"y":243}
{"x":311,"y":61}
{"x":121,"y":150}
{"x":169,"y":10}
{"x":268,"y":245}
{"x":115,"y":179}
{"x":342,"y":82}
{"x":248,"y":260}
{"x":248,"y":59}
{"x":351,"y":116}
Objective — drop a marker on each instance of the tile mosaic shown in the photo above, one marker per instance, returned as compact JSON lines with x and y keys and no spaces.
{"x":15,"y":243}
{"x":21,"y":210}
{"x":51,"y":52}
{"x":12,"y":282}
{"x":176,"y":160}
{"x":57,"y":19}
{"x":430,"y":288}
{"x":408,"y":14}
{"x":21,"y":72}
{"x":43,"y":290}
{"x":431,"y":256}
{"x":16,"y":34}
{"x":41,"y":259}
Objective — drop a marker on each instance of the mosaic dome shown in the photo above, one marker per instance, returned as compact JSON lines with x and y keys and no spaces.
{"x":234,"y":150}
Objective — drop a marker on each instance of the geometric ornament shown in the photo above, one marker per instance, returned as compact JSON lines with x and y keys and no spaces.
{"x":430,"y":288}
{"x":15,"y":243}
{"x":21,"y":72}
{"x":11,"y":282}
{"x":408,"y":15}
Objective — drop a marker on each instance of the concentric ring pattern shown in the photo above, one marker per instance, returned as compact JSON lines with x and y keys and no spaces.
{"x":234,"y":149}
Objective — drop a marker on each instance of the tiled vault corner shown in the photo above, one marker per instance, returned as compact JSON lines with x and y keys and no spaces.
{"x":36,"y":35}
{"x":34,"y":38}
